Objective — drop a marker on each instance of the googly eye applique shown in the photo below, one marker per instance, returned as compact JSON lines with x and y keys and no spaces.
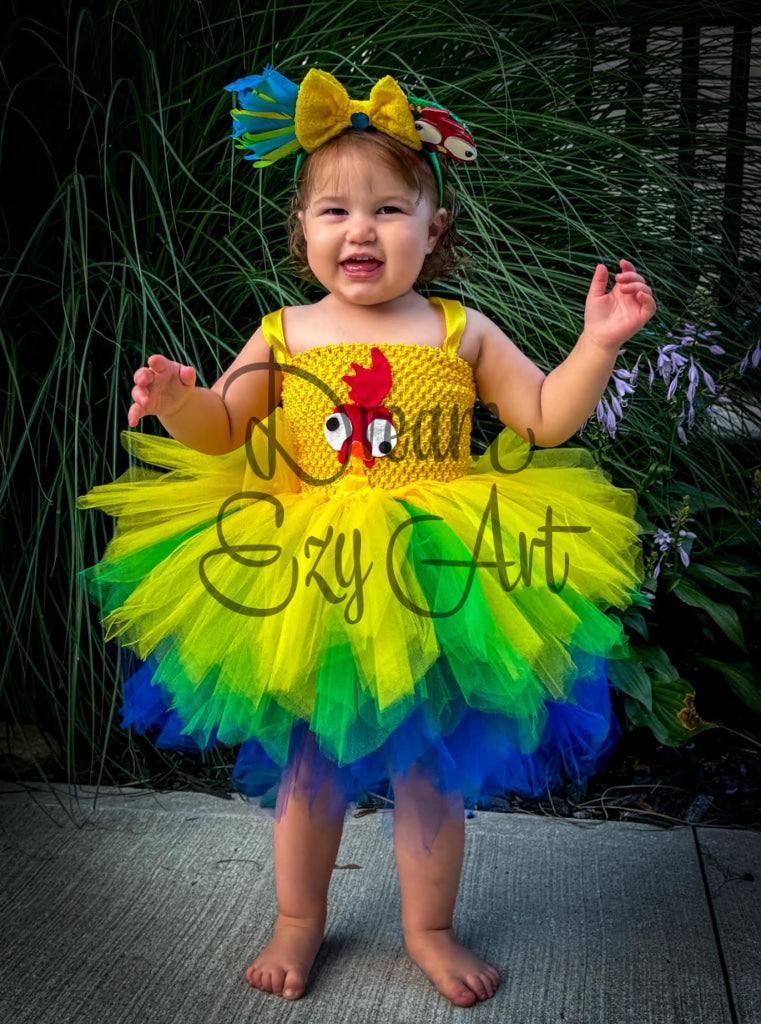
{"x":338,"y":429}
{"x":440,"y":131}
{"x":363,"y":427}
{"x":381,"y":436}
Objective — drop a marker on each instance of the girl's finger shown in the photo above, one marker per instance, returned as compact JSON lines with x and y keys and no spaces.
{"x":158,"y":363}
{"x":630,"y":275}
{"x":599,"y":283}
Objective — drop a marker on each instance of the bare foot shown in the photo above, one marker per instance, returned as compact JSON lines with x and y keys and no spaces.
{"x":456,"y":972}
{"x":283,"y":966}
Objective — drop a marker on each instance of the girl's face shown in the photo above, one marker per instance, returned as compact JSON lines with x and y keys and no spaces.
{"x":367,"y":232}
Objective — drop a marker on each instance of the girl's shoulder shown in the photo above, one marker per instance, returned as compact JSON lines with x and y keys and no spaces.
{"x":310,"y":326}
{"x":470,"y":342}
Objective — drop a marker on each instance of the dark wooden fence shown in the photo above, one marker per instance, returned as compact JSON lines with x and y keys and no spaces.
{"x":698,"y":69}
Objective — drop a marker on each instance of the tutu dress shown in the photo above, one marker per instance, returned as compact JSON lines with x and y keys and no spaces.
{"x":396,"y":603}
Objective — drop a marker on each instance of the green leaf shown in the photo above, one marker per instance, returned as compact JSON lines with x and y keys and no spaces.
{"x":656,"y":659}
{"x":742,"y":677}
{"x":739,"y":567}
{"x":708,"y":572}
{"x":636,"y":621}
{"x":700,"y":500}
{"x":638,"y":598}
{"x":670,"y":700}
{"x":629,"y":676}
{"x":723,"y":615}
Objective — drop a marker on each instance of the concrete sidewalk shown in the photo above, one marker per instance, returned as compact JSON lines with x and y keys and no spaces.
{"x":134,"y":907}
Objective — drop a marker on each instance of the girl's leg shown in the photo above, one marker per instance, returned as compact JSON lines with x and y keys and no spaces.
{"x":429,"y":883}
{"x":306,"y":844}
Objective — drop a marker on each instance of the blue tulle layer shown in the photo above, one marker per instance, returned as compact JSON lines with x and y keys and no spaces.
{"x":481,"y":757}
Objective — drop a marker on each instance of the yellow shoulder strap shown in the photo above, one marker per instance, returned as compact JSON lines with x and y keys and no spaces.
{"x":272,"y":325}
{"x":454,"y":315}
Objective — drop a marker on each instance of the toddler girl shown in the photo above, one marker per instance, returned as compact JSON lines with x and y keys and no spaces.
{"x":325,"y":575}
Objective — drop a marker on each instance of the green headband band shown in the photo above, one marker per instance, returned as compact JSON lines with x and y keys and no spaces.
{"x":434,"y":160}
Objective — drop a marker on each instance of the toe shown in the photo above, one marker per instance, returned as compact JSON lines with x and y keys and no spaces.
{"x":457,"y":990}
{"x":462,"y":995}
{"x":476,"y":983}
{"x":294,"y":984}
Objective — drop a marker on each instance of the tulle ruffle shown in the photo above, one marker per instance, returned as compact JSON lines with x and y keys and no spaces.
{"x":457,"y":627}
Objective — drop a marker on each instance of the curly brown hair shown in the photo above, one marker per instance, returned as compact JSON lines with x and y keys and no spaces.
{"x":414,"y":169}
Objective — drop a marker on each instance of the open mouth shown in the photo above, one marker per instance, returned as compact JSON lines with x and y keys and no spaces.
{"x":361,"y":266}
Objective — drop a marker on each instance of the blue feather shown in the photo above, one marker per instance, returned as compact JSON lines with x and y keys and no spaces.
{"x":265,"y":122}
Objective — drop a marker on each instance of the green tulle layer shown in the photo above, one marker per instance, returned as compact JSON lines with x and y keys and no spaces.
{"x":190,"y":581}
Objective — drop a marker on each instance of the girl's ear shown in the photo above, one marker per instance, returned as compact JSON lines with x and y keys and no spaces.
{"x":436,"y":228}
{"x":300,"y":215}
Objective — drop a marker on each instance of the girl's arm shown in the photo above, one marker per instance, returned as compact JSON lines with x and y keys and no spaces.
{"x":553,"y":406}
{"x":211,"y":420}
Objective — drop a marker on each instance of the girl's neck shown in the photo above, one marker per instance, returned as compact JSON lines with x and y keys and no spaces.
{"x":401,"y":306}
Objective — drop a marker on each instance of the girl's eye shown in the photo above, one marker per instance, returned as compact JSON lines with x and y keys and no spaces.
{"x":389,"y":209}
{"x":336,"y":211}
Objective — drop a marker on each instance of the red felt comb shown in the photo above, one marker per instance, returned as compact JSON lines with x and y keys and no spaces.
{"x":369,"y":385}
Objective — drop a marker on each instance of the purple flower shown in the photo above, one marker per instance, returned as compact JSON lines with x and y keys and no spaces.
{"x":664,"y":541}
{"x":610,"y":409}
{"x":634,"y":372}
{"x":621,"y":385}
{"x":610,"y":420}
{"x":684,"y":552}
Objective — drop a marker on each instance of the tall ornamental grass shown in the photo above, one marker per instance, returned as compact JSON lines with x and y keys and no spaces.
{"x":136,"y":229}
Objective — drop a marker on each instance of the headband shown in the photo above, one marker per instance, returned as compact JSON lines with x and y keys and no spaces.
{"x":275,"y":118}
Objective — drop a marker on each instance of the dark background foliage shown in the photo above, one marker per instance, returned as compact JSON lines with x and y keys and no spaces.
{"x":130,"y":226}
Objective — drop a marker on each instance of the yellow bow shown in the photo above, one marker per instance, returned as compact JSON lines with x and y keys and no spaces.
{"x":323,"y":110}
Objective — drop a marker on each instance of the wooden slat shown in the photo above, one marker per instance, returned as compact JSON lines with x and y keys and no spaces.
{"x":737,"y":142}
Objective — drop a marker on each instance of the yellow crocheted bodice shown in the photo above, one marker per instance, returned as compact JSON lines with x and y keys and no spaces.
{"x":410,"y":406}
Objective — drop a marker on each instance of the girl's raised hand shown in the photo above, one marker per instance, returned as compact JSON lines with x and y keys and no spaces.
{"x":612,"y":317}
{"x":160,"y":389}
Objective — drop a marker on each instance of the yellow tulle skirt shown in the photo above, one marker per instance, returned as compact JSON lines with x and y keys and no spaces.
{"x":463,"y":627}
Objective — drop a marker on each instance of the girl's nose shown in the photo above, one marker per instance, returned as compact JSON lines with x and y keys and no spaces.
{"x":360,"y":228}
